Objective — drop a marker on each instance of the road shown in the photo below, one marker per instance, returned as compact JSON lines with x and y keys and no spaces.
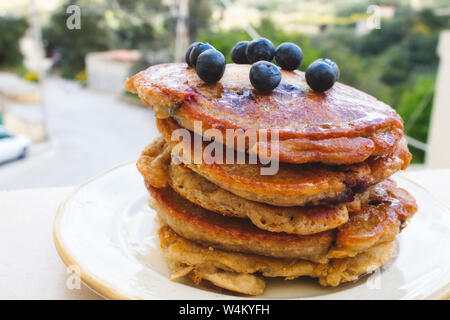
{"x":88,"y":131}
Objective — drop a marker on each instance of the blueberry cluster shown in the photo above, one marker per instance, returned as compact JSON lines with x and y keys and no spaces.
{"x":264,"y":75}
{"x":207,"y":61}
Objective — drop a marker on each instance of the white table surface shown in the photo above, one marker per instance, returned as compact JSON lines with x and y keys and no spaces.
{"x":30,"y":267}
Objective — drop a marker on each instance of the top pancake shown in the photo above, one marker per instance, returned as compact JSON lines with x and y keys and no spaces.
{"x":340,"y":126}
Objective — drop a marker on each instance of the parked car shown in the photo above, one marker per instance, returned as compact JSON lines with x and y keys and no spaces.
{"x":12,"y":147}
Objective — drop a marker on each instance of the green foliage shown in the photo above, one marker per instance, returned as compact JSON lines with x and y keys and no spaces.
{"x":200,"y":12}
{"x":199,"y":16}
{"x":132,"y":35}
{"x":133,"y":24}
{"x":422,"y":49}
{"x":267,"y":29}
{"x":397,"y":65}
{"x":419,"y":97}
{"x":71,"y":46}
{"x":224,"y":41}
{"x":67,"y":73}
{"x":11,"y":30}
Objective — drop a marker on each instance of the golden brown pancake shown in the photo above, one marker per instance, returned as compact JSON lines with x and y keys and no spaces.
{"x":236,"y":271}
{"x":379,"y":221}
{"x":198,"y":224}
{"x":386,"y":214}
{"x":340,"y":126}
{"x":296,"y":185}
{"x":156,"y":167}
{"x":154,"y":161}
{"x":297,"y":220}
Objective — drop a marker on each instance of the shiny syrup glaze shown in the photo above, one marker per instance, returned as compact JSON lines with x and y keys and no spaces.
{"x":293,"y":108}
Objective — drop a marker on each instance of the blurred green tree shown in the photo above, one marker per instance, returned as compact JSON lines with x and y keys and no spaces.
{"x":11,"y":30}
{"x":133,"y":24}
{"x":415,"y":107}
{"x":200,"y":12}
{"x":224,"y":41}
{"x":123,"y":24}
{"x":70,"y":46}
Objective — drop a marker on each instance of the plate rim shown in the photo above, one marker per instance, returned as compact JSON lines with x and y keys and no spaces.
{"x":110,"y":292}
{"x":90,"y":280}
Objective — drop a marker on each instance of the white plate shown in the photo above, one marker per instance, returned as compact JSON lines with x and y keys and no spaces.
{"x":106,"y":229}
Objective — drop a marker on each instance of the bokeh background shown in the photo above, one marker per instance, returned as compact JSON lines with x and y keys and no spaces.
{"x":63,"y":87}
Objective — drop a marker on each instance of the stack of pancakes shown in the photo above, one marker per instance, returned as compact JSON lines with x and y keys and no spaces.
{"x":329,"y":212}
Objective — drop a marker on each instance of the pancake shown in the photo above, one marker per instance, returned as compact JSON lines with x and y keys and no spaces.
{"x":294,"y":185}
{"x":386,"y":214}
{"x":193,"y":187}
{"x":198,"y":224}
{"x":153,"y":162}
{"x":340,"y":126}
{"x":297,"y":220}
{"x":379,"y":221}
{"x":235,"y":271}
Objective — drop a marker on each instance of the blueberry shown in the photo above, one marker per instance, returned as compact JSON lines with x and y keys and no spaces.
{"x":210,"y":65}
{"x":332,"y":65}
{"x":320,"y":76}
{"x":197,"y":50}
{"x":238,"y":54}
{"x":265,"y":76}
{"x":188,"y":52}
{"x":260,"y":49}
{"x":289,"y":56}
